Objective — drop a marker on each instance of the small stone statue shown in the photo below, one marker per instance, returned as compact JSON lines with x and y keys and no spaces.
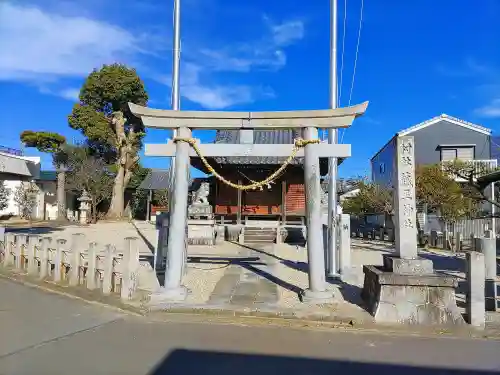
{"x":201,"y":195}
{"x":199,"y":206}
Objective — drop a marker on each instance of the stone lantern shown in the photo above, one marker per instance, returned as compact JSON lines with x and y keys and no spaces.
{"x":84,"y":200}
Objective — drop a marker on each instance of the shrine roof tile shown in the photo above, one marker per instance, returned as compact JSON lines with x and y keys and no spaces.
{"x":260,"y":137}
{"x":156,"y":179}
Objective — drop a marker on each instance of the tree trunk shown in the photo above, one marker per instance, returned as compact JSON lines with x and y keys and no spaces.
{"x":126,"y":160}
{"x":93,"y":212}
{"x":61,"y":195}
{"x":117,"y":201}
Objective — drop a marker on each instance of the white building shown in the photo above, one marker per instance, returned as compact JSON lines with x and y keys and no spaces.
{"x":16,"y":169}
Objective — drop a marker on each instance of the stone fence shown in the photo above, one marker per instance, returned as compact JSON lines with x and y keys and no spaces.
{"x":75,"y":263}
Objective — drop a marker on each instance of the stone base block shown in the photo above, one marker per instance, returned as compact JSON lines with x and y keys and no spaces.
{"x":199,"y":210}
{"x":410,"y":299}
{"x":201,"y":241}
{"x":147,"y":277}
{"x":233,"y":232}
{"x":418,"y":266}
{"x":219,"y":234}
{"x":163,"y":298}
{"x":201,"y":233}
{"x":314,"y":297}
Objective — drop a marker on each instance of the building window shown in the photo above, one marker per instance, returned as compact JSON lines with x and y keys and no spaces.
{"x":461,"y":153}
{"x":448,"y":154}
{"x":382,"y":168}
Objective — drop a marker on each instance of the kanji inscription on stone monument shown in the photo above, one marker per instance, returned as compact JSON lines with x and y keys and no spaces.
{"x":404,"y":199}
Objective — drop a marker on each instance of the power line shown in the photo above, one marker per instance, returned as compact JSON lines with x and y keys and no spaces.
{"x":343,"y":51}
{"x":357,"y":51}
{"x":355,"y":60}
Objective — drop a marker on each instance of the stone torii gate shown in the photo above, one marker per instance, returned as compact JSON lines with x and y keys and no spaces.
{"x":182,"y":149}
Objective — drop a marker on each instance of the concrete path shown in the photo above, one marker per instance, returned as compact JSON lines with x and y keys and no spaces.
{"x":49,"y":334}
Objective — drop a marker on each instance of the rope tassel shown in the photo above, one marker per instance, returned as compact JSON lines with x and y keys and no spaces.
{"x":298,"y":144}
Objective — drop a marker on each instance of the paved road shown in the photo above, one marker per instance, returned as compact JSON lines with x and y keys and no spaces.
{"x":44,"y":333}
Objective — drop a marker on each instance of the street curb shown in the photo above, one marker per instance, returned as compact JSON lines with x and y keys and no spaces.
{"x":68,"y":295}
{"x":262,"y":318}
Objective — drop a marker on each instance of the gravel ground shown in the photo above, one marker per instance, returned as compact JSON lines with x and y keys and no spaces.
{"x":292,"y":268}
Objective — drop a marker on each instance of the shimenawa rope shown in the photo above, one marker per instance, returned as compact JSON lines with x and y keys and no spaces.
{"x":298,"y":144}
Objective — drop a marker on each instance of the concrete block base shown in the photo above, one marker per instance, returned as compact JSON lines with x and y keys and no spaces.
{"x":233,"y":232}
{"x":316,"y":298}
{"x":165,"y":297}
{"x":401,"y":266}
{"x":147,"y":277}
{"x":410,"y":299}
{"x":201,"y":232}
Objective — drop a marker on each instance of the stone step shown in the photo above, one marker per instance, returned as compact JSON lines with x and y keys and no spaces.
{"x":262,"y":235}
{"x":270,"y":230}
{"x":259,"y":233}
{"x":263,"y":238}
{"x":259,"y":241}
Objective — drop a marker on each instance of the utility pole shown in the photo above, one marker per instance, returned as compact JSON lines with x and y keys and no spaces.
{"x":176,"y":58}
{"x":176,"y":67}
{"x":175,"y":102}
{"x":331,"y":255}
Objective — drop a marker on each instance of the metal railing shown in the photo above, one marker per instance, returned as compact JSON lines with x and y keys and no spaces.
{"x":11,"y":151}
{"x":479,"y":166}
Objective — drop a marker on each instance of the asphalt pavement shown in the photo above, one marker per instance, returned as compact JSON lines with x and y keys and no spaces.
{"x":43,"y":333}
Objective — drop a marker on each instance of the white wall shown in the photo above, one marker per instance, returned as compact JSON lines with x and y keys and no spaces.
{"x":46,"y":206}
{"x":12,"y":208}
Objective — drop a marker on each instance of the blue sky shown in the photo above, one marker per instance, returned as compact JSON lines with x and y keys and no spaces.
{"x":417,"y":59}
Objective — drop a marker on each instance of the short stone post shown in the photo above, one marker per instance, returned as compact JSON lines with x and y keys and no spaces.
{"x":107,"y":275}
{"x":434,"y":238}
{"x":10,"y":240}
{"x":44,"y":257}
{"x":446,"y":239}
{"x":457,"y":242}
{"x":130,"y":268}
{"x":488,"y":248}
{"x":344,"y":244}
{"x":31,"y":254}
{"x":278,"y":235}
{"x":58,"y":265}
{"x":91,"y":266}
{"x":241,"y":236}
{"x":391,"y":235}
{"x":475,"y":292}
{"x":473,"y":242}
{"x":382,"y":234}
{"x":77,"y":247}
{"x":20,"y":250}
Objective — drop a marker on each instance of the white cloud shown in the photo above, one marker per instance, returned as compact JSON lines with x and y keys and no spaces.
{"x":490,"y":110}
{"x":46,"y":49}
{"x":264,"y":53}
{"x":469,"y":68}
{"x":69,"y":94}
{"x":37,"y":45}
{"x":287,"y":32}
{"x":214,"y":96}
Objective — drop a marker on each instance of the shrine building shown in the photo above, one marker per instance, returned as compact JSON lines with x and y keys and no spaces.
{"x":282,"y":201}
